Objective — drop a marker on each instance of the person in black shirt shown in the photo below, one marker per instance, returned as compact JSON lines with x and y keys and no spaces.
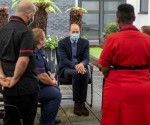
{"x":17,"y":67}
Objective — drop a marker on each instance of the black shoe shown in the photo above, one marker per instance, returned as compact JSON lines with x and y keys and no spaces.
{"x":77,"y":109}
{"x":84,"y":110}
{"x":57,"y":121}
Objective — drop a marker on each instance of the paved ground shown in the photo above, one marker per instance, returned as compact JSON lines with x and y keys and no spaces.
{"x":66,"y":109}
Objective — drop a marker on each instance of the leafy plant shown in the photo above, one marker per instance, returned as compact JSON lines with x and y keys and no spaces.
{"x":85,"y":37}
{"x":41,"y":16}
{"x":77,"y":8}
{"x":52,"y":42}
{"x":110,"y":28}
{"x":49,"y":5}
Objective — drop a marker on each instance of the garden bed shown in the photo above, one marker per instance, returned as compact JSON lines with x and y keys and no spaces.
{"x":94,"y":55}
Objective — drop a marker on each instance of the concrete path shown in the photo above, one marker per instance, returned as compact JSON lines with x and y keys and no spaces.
{"x":66,"y":109}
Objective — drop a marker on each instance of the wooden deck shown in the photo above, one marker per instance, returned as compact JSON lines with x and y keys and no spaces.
{"x":66,"y":109}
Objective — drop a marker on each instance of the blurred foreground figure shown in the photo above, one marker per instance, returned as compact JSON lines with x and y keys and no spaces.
{"x":125,"y":63}
{"x":17,"y":67}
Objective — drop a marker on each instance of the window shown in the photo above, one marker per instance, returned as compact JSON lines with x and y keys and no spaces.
{"x":109,"y":18}
{"x":100,"y":13}
{"x":111,"y":5}
{"x":90,"y":5}
{"x":144,"y":6}
{"x":90,"y":21}
{"x":91,"y":32}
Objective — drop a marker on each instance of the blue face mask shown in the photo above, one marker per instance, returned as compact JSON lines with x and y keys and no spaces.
{"x":74,"y":37}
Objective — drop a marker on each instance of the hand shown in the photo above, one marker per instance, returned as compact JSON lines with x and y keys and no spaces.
{"x":80,"y":68}
{"x":54,"y":82}
{"x":52,"y":78}
{"x":2,"y":76}
{"x":50,"y":75}
{"x":12,"y":80}
{"x":4,"y":82}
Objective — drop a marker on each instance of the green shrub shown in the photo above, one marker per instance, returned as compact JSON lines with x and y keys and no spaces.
{"x":51,"y":42}
{"x":110,"y":28}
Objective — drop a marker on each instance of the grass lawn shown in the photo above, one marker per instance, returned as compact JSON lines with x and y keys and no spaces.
{"x":95,"y":51}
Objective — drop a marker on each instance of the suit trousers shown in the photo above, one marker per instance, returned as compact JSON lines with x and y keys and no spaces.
{"x":26,"y":109}
{"x":79,"y":84}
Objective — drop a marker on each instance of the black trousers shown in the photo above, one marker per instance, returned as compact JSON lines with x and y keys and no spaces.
{"x":26,"y":106}
{"x":79,"y":84}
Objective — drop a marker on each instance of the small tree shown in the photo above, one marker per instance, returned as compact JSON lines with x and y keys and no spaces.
{"x":3,"y":15}
{"x":76,"y":14}
{"x":44,"y":6}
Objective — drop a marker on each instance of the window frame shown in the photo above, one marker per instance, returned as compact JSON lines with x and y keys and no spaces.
{"x":101,"y":13}
{"x":91,"y":12}
{"x":141,"y":11}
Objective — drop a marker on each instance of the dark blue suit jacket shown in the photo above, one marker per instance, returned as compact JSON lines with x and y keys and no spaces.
{"x":65,"y":53}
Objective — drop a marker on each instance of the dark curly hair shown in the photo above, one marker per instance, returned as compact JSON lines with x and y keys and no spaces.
{"x":125,"y":13}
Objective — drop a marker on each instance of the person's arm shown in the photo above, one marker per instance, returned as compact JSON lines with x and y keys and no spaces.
{"x":63,"y":55}
{"x":86,"y":55}
{"x":3,"y":80}
{"x":25,"y":53}
{"x":20,"y":68}
{"x":85,"y":61}
{"x":105,"y":59}
{"x":105,"y":71}
{"x":46,"y":79}
{"x":44,"y":76}
{"x":2,"y":75}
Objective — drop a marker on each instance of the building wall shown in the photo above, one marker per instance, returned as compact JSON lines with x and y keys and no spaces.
{"x":141,"y":19}
{"x":58,"y":23}
{"x":7,"y":3}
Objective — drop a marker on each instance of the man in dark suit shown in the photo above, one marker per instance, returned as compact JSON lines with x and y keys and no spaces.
{"x":74,"y":58}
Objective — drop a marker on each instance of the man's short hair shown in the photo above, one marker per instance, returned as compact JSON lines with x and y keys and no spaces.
{"x":26,"y":7}
{"x":125,"y":13}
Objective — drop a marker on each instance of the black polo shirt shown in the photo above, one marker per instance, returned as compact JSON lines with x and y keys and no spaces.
{"x":16,"y":40}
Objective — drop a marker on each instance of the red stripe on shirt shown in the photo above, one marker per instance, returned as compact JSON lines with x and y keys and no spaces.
{"x":13,"y":19}
{"x":40,"y":68}
{"x":26,"y":51}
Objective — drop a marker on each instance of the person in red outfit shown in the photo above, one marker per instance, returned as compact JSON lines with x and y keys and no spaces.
{"x":125,"y":63}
